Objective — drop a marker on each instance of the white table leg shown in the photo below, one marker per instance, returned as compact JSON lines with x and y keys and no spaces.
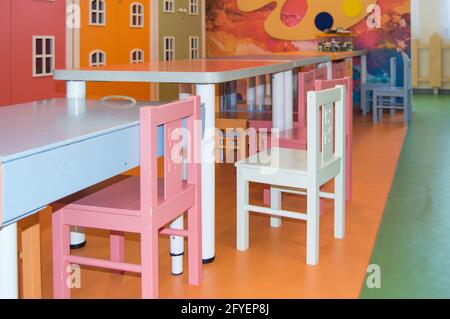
{"x":261,"y":91}
{"x":329,"y":66}
{"x":207,"y":95}
{"x":76,"y":90}
{"x":251,"y":93}
{"x":9,"y":278}
{"x":278,"y":115}
{"x":289,"y":101}
{"x":363,"y":83}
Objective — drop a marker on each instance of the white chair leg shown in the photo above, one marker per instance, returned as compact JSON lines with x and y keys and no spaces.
{"x":241,"y":212}
{"x":393,"y":102}
{"x":275,"y":203}
{"x":339,"y":205}
{"x":312,"y":226}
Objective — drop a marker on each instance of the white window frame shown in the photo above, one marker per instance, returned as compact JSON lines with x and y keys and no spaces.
{"x":194,"y":50}
{"x":97,"y":12}
{"x":169,"y":6}
{"x":44,"y":55}
{"x":97,"y":64}
{"x":169,"y":51}
{"x":194,"y":7}
{"x":138,"y":59}
{"x":138,"y":15}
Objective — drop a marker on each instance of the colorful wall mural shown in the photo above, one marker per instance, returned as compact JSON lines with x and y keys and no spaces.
{"x":236,"y":27}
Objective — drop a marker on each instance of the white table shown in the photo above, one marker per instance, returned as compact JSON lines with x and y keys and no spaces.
{"x":205,"y":74}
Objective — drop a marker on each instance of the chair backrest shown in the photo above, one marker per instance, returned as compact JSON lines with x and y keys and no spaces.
{"x":326,"y":123}
{"x":407,"y":72}
{"x":321,"y":73}
{"x":181,"y":143}
{"x":305,"y":84}
{"x":393,"y":71}
{"x":339,"y":70}
{"x":348,"y":82}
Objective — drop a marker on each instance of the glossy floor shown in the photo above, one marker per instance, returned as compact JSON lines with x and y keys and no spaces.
{"x":412,"y":248}
{"x":274,"y":266}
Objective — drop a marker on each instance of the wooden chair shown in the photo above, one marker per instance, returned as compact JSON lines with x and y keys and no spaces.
{"x":142,"y":204}
{"x":232,"y":141}
{"x":393,"y":93}
{"x":301,"y":172}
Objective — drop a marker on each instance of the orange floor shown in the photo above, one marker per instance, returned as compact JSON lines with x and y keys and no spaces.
{"x":274,"y":266}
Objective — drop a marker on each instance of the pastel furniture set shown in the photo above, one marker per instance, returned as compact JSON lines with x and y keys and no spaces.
{"x":91,"y":144}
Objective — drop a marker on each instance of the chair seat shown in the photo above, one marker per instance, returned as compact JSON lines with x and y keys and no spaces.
{"x":287,"y":160}
{"x":121,"y":193}
{"x":391,"y":92}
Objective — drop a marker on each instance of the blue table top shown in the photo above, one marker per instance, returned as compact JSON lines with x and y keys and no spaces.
{"x":35,"y":127}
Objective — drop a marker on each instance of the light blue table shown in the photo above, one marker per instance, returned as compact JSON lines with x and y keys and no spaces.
{"x":53,"y":148}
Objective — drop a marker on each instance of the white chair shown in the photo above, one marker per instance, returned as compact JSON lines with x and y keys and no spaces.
{"x":393,"y":93}
{"x":301,"y":172}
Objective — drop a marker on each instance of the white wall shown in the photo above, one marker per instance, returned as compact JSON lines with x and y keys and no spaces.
{"x":428,"y":17}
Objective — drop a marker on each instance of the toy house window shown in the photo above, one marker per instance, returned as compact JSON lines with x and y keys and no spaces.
{"x":194,"y":48}
{"x":137,"y":56}
{"x":193,"y":7}
{"x":169,"y":48}
{"x":97,"y":12}
{"x":169,"y":6}
{"x":137,"y":15}
{"x":43,"y":55}
{"x":97,"y":58}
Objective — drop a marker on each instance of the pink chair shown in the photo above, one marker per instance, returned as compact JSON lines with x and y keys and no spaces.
{"x":339,"y":70}
{"x":120,"y":207}
{"x":310,"y":76}
{"x":321,"y":74}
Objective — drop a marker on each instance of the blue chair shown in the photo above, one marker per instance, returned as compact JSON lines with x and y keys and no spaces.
{"x":394,"y":94}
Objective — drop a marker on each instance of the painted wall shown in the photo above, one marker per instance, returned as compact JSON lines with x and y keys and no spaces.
{"x":181,"y":26}
{"x":247,"y":29}
{"x":117,"y":39}
{"x":5,"y":53}
{"x":26,"y":19}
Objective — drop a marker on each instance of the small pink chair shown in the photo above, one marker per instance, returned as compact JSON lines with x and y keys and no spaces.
{"x":143,"y":205}
{"x":339,"y":70}
{"x":321,"y":74}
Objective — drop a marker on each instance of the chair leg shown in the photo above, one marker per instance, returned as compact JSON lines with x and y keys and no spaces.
{"x":374,"y":109}
{"x":61,"y":248}
{"x":242,"y":213}
{"x":312,"y":226}
{"x":364,"y":101}
{"x":393,"y":101}
{"x":149,"y":263}
{"x":339,"y":206}
{"x":348,"y":171}
{"x":195,"y":245}
{"x":275,"y":202}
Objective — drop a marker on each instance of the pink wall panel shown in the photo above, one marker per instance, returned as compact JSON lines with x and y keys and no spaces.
{"x":5,"y":35}
{"x":29,"y":18}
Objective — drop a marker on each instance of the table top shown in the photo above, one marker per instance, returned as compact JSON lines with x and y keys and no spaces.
{"x":333,"y":55}
{"x":298,"y":60}
{"x":202,"y":71}
{"x":34,"y":127}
